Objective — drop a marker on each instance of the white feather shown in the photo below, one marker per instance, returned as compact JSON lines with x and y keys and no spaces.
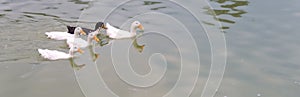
{"x":116,"y":33}
{"x":53,"y":54}
{"x":59,"y":35}
{"x":77,"y":42}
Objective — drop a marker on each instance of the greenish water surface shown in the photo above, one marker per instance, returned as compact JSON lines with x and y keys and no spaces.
{"x":262,"y":46}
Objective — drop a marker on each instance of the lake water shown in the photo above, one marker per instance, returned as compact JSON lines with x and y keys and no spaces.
{"x":261,"y":39}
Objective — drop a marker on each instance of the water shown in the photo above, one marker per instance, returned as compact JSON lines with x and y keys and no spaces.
{"x":262,"y":47}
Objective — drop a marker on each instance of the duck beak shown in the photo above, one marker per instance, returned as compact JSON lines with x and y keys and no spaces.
{"x":80,"y":51}
{"x":96,"y":38}
{"x":142,"y":48}
{"x":82,"y":32}
{"x":104,"y":27}
{"x":141,"y":27}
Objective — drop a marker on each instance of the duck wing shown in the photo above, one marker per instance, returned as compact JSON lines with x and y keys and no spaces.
{"x":87,"y":31}
{"x":77,"y":42}
{"x":58,"y":35}
{"x":111,"y":31}
{"x":116,"y":33}
{"x":72,"y":29}
{"x":124,"y":34}
{"x":53,"y":54}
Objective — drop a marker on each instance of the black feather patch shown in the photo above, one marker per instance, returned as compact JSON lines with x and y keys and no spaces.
{"x":71,"y":29}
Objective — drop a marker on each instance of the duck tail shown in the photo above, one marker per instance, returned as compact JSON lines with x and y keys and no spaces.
{"x":71,"y":29}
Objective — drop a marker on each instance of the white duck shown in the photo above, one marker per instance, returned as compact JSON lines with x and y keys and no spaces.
{"x":56,"y":35}
{"x":76,"y":40}
{"x":57,"y":55}
{"x":61,"y":35}
{"x":116,"y":33}
{"x":74,"y":43}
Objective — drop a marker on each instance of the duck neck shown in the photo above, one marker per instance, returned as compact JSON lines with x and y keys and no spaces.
{"x":71,"y":53}
{"x":89,"y":40}
{"x":97,"y":31}
{"x":76,"y":34}
{"x":98,"y":25}
{"x":132,"y":29}
{"x":96,"y":28}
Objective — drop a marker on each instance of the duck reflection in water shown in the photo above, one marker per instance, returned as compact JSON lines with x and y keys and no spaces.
{"x":137,"y":46}
{"x":74,"y":65}
{"x":105,"y":40}
{"x":102,"y":40}
{"x":94,"y":55}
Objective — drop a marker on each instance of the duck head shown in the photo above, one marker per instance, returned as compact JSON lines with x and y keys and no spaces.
{"x":137,"y":24}
{"x":100,"y":25}
{"x":78,"y":30}
{"x":74,"y":49}
{"x":93,"y":36}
